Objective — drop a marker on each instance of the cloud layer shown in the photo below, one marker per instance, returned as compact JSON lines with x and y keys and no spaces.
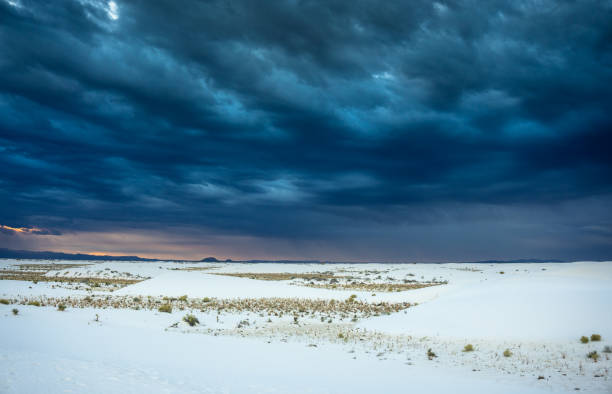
{"x":352,"y":129}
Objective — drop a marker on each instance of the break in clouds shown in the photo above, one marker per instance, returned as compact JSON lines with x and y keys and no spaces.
{"x":306,"y":129}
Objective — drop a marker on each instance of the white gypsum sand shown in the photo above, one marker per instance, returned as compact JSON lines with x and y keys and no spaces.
{"x":257,"y":335}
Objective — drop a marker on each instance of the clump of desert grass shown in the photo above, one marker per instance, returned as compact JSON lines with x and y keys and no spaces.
{"x":61,"y":307}
{"x":34,"y":303}
{"x":430,"y":354}
{"x":191,"y":320}
{"x":507,"y":353}
{"x":468,"y":348}
{"x":4,"y":301}
{"x":593,"y":356}
{"x":584,"y":339}
{"x":166,"y":308}
{"x":595,"y":338}
{"x":15,"y":311}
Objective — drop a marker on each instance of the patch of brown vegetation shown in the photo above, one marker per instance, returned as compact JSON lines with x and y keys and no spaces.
{"x":271,"y":306}
{"x":194,"y":268}
{"x":40,"y":277}
{"x":48,"y":267}
{"x":375,"y":287}
{"x":281,"y":275}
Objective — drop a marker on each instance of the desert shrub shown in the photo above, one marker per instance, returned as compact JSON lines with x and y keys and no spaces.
{"x":468,"y":348}
{"x":352,"y":298}
{"x":607,"y":349}
{"x":431,"y":354}
{"x":191,"y":320}
{"x":183,"y":298}
{"x":4,"y":301}
{"x":166,"y":308}
{"x":61,"y":307}
{"x":136,"y":299}
{"x":584,"y":339}
{"x":502,"y":272}
{"x":205,"y":299}
{"x":34,"y":303}
{"x":595,"y":337}
{"x":15,"y":311}
{"x":507,"y":353}
{"x":593,"y":356}
{"x":340,"y":335}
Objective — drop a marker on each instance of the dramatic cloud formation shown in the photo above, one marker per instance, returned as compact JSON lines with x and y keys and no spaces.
{"x":304,"y":129}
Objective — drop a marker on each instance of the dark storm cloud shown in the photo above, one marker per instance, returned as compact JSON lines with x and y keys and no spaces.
{"x":306,"y":120}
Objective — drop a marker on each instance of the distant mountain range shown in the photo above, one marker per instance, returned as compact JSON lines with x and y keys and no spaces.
{"x":47,"y":255}
{"x":29,"y":254}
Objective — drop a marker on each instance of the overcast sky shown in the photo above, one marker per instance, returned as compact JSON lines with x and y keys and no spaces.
{"x":342,"y":130}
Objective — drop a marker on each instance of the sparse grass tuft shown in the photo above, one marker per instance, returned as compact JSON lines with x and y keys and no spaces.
{"x":34,"y":303}
{"x":15,"y":311}
{"x":205,"y":299}
{"x":584,"y":339}
{"x":191,"y":320}
{"x":61,"y":307}
{"x":4,"y":301}
{"x":430,"y":354}
{"x":593,"y":356}
{"x":183,"y":298}
{"x":468,"y":348}
{"x":166,"y":308}
{"x":507,"y":353}
{"x":595,"y":338}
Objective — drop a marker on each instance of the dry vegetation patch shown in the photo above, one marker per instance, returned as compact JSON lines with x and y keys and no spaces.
{"x":44,"y":273}
{"x":377,"y":287}
{"x":329,"y":280}
{"x":194,"y":268}
{"x":272,"y":306}
{"x":281,"y":275}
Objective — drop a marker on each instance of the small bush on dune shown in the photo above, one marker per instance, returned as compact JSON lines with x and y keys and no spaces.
{"x":584,"y":339}
{"x":191,"y":320}
{"x":595,"y":337}
{"x":15,"y":311}
{"x":183,"y":298}
{"x":468,"y":348}
{"x":4,"y":301}
{"x":166,"y":308}
{"x":61,"y":307}
{"x":593,"y":356}
{"x":34,"y":303}
{"x":205,"y":299}
{"x":507,"y":353}
{"x":431,"y":354}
